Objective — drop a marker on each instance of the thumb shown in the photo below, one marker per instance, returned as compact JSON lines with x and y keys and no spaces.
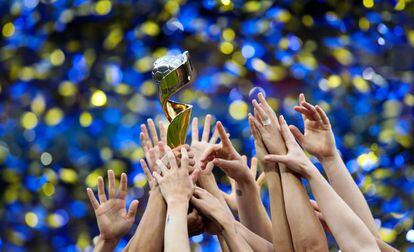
{"x":133,"y":209}
{"x":296,"y":133}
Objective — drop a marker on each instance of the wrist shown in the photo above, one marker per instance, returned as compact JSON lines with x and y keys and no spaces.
{"x":311,"y":173}
{"x":334,"y":155}
{"x":177,"y":203}
{"x":228,"y":229}
{"x":108,"y":241}
{"x":246,"y":183}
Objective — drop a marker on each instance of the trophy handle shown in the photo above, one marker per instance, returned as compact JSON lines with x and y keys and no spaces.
{"x":177,"y":130}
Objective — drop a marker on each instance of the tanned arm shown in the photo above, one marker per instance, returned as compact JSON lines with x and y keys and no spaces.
{"x":347,"y":228}
{"x":282,"y":239}
{"x":306,"y":230}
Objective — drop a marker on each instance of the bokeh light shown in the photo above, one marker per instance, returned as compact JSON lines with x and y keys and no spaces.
{"x":76,"y":84}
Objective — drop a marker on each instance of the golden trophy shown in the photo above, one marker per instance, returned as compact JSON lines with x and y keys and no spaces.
{"x":172,"y":73}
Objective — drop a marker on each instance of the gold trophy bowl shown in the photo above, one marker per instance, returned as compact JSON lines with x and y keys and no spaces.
{"x":171,"y":73}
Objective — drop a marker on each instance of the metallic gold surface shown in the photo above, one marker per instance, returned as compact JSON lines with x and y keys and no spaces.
{"x":179,"y":114}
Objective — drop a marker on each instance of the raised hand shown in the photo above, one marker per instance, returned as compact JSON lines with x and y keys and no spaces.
{"x":152,"y":149}
{"x":225,"y":156}
{"x":231,"y":197}
{"x":175,"y":182}
{"x":318,"y":138}
{"x":177,"y":187}
{"x":268,"y":126}
{"x":295,"y":159}
{"x":113,"y":219}
{"x":199,"y":146}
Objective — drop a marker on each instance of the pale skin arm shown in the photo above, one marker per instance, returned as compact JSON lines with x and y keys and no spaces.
{"x":256,"y":242}
{"x":206,"y":178}
{"x":199,"y":145}
{"x":349,"y":231}
{"x":318,"y":139}
{"x":231,"y":197}
{"x":306,"y":231}
{"x":251,"y":211}
{"x":176,"y":186}
{"x":383,"y":246}
{"x":146,"y":237}
{"x":281,"y":235}
{"x":113,"y":219}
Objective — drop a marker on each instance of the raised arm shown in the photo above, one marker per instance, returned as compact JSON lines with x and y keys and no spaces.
{"x":152,"y":223}
{"x":113,"y":219}
{"x":177,"y":187}
{"x":146,"y":237}
{"x":231,"y":198}
{"x":318,"y":140}
{"x":307,"y":232}
{"x":347,"y":228}
{"x":256,"y":242}
{"x":211,"y":207}
{"x":281,"y":235}
{"x":251,"y":211}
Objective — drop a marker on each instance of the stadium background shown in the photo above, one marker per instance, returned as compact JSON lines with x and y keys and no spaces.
{"x":75,"y":85}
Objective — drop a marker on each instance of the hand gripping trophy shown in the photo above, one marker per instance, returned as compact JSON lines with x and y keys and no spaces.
{"x":172,"y":73}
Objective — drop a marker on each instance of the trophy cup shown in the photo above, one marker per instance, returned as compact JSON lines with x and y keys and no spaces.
{"x":172,"y":73}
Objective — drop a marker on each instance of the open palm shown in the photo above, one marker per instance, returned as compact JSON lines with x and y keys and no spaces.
{"x":199,"y":146}
{"x":318,"y":138}
{"x":113,"y":219}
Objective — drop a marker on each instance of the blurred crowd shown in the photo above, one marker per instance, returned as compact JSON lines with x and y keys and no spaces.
{"x":76,"y":84}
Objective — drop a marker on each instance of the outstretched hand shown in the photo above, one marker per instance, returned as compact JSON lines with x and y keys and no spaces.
{"x":174,"y":181}
{"x":199,"y":146}
{"x":267,"y":126}
{"x":318,"y":138}
{"x":225,"y":156}
{"x":295,"y":159}
{"x":231,"y":198}
{"x":113,"y":219}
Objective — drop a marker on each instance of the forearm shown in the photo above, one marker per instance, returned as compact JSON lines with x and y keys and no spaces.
{"x":146,"y":237}
{"x":251,"y":211}
{"x":306,"y":230}
{"x":223,"y":245}
{"x":282,"y":239}
{"x":344,"y":185}
{"x":256,"y":242}
{"x":233,"y":238}
{"x":176,"y":234}
{"x":105,"y":245}
{"x":349,"y":231}
{"x":384,"y":247}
